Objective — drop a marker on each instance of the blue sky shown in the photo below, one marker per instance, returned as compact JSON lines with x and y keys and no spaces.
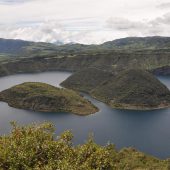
{"x":83,"y":21}
{"x":12,"y":2}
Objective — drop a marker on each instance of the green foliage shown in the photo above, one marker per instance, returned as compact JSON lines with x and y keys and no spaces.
{"x":37,"y":147}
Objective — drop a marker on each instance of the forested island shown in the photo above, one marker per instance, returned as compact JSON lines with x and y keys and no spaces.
{"x":130,"y":89}
{"x":46,"y":98}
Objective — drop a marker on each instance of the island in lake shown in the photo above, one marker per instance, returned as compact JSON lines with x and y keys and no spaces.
{"x":130,"y":89}
{"x":46,"y":98}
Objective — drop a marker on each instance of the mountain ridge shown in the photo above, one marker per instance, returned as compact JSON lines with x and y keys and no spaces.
{"x":153,"y":42}
{"x":146,"y":54}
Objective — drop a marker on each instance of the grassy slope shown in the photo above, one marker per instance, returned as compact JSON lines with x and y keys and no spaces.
{"x":86,"y":79}
{"x":134,"y":89}
{"x":47,"y":98}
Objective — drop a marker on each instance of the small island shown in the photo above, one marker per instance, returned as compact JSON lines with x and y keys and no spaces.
{"x":46,"y":98}
{"x":134,"y":89}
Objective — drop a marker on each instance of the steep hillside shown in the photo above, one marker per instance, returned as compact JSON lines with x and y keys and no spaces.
{"x":156,"y":61}
{"x":134,"y":89}
{"x":86,"y":79}
{"x":46,"y":98}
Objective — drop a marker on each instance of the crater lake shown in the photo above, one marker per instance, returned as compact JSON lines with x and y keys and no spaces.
{"x":147,"y":131}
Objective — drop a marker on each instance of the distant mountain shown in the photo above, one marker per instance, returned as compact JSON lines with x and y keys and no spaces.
{"x":11,"y":46}
{"x":138,"y":43}
{"x":129,"y":43}
{"x":27,"y":48}
{"x":24,"y":48}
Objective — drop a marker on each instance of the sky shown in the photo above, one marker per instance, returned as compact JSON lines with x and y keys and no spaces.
{"x":83,"y":21}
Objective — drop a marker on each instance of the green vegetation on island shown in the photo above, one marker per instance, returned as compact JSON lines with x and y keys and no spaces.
{"x":36,"y":147}
{"x":87,"y":79}
{"x":46,"y":98}
{"x":134,"y":89}
{"x":130,"y":89}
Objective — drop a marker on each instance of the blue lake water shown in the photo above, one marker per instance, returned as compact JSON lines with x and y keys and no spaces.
{"x":148,"y":131}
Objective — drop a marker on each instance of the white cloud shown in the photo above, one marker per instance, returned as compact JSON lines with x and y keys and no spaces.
{"x":164,"y":5}
{"x":48,"y":31}
{"x":85,"y":21}
{"x":158,"y":26}
{"x":124,"y":24}
{"x":52,"y":31}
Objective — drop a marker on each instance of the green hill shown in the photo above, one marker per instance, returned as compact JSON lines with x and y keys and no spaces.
{"x":86,"y":79}
{"x":10,"y":46}
{"x":130,"y":89}
{"x":134,"y":89}
{"x":135,"y":43}
{"x":12,"y":49}
{"x":46,"y":98}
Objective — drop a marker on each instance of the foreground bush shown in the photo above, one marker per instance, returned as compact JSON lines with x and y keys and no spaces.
{"x":36,"y":147}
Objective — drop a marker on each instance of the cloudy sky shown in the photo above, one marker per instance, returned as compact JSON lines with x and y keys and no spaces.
{"x":83,"y":21}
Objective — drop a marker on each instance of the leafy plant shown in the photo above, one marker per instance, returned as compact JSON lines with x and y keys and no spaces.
{"x":37,"y":147}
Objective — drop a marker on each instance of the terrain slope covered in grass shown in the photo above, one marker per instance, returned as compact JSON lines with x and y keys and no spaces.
{"x":46,"y":98}
{"x":130,"y":89}
{"x":134,"y":89}
{"x":86,"y":79}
